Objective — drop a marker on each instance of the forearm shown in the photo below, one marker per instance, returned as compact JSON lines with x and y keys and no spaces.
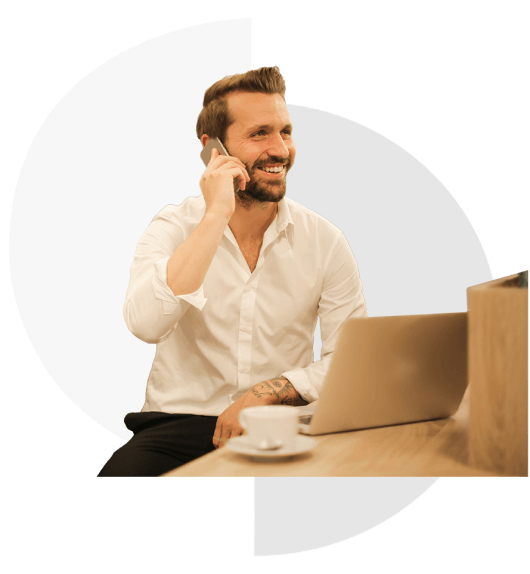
{"x":187,"y":267}
{"x":278,"y":391}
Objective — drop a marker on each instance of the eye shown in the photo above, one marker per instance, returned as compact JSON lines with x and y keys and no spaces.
{"x":287,"y":131}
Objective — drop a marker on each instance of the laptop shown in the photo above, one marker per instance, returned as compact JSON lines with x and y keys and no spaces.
{"x":389,"y":371}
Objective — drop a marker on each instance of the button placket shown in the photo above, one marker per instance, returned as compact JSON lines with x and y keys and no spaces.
{"x":244,"y":343}
{"x":246,"y":317}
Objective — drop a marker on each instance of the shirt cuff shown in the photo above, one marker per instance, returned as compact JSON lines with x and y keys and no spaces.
{"x":170,"y":301}
{"x":299,"y":380}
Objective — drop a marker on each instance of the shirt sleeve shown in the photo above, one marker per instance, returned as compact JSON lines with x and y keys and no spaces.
{"x":151,"y":310}
{"x":341,"y":299}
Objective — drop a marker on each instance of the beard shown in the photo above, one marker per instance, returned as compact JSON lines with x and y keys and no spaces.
{"x":264,"y":191}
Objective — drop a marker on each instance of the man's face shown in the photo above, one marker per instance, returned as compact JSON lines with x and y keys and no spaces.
{"x":261,"y":137}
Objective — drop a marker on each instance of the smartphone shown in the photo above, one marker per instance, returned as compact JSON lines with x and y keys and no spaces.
{"x":207,"y":152}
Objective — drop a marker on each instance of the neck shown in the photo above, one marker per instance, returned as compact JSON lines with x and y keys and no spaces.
{"x":252,"y":220}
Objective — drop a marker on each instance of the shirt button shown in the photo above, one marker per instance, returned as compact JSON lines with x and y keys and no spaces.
{"x":243,"y":369}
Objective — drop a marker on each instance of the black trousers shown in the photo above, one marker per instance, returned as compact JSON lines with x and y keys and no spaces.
{"x":161,"y":442}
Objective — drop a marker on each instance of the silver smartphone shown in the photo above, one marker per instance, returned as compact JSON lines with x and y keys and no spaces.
{"x":206,"y":153}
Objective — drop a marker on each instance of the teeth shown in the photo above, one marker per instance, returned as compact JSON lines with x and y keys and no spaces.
{"x":272,"y":169}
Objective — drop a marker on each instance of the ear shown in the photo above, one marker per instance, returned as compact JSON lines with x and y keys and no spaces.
{"x":204,"y":140}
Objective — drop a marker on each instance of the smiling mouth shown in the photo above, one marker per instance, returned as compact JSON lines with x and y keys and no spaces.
{"x":273,"y":170}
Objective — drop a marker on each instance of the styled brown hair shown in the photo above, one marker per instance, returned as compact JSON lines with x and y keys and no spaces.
{"x":215,"y":117}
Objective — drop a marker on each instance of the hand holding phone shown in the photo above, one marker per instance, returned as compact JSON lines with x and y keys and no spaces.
{"x":206,"y":155}
{"x":224,"y":176}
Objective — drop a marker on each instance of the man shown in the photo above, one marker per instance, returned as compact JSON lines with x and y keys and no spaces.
{"x":230,"y":285}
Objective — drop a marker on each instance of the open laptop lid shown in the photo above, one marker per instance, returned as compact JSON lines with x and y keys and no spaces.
{"x":392,"y":370}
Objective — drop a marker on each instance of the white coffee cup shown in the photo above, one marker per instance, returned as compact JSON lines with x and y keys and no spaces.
{"x":271,"y":426}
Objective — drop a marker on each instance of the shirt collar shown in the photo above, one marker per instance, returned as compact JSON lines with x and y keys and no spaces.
{"x":283,"y":217}
{"x":283,"y":220}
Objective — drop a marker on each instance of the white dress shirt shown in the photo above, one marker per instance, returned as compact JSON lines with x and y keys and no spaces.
{"x":241,"y":328}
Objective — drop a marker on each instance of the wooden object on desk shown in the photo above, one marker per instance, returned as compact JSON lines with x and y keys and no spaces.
{"x":498,"y":376}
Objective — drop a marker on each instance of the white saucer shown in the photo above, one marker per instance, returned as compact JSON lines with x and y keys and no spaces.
{"x":240,"y":445}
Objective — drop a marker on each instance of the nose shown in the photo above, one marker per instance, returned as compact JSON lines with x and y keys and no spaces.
{"x":277,"y":147}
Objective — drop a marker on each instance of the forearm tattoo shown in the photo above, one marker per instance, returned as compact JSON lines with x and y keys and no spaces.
{"x":280,"y":388}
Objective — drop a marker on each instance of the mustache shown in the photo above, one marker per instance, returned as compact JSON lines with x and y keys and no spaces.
{"x":286,"y":161}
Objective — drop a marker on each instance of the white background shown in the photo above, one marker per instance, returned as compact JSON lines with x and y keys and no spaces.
{"x":121,"y":144}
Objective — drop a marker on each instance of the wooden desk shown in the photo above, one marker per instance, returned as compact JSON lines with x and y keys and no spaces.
{"x":498,"y":387}
{"x":432,"y":448}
